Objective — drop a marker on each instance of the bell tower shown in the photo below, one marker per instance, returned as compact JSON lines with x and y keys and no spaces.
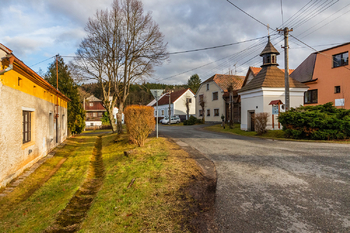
{"x":269,"y":54}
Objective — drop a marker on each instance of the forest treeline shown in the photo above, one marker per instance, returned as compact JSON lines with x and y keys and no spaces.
{"x":139,"y":93}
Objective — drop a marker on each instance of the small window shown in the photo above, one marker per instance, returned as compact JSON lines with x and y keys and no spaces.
{"x":311,"y":97}
{"x":201,"y":98}
{"x":91,"y":104}
{"x":189,"y":100}
{"x":200,"y":112}
{"x":216,"y":112}
{"x":273,"y":59}
{"x":207,"y":86}
{"x":208,"y":112}
{"x":27,"y":126}
{"x":100,"y":114}
{"x":341,"y":59}
{"x":94,"y":114}
{"x":91,"y":124}
{"x":337,"y":89}
{"x":215,"y":95}
{"x":19,"y":81}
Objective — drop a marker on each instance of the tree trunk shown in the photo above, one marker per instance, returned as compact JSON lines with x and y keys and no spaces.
{"x":120,"y":118}
{"x":112,"y":120}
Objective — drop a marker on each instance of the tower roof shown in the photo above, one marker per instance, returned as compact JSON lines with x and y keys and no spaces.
{"x":271,"y":76}
{"x":269,"y":49}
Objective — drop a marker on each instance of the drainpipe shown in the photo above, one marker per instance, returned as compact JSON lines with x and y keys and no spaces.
{"x":10,"y":67}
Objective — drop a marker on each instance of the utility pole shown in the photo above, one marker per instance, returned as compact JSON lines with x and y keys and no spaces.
{"x":286,"y":31}
{"x":169,"y":106}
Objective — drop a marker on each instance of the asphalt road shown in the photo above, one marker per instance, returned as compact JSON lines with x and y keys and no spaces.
{"x":274,"y":186}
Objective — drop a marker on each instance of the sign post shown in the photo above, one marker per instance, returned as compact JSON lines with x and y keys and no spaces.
{"x":156,"y":94}
{"x":275,"y":111}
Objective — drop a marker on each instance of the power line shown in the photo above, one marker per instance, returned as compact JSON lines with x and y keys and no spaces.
{"x":308,"y":30}
{"x":313,"y":14}
{"x":295,"y":14}
{"x":248,"y":14}
{"x":42,"y":61}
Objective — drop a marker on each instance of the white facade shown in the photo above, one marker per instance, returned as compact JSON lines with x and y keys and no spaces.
{"x":258,"y":100}
{"x":178,"y":107}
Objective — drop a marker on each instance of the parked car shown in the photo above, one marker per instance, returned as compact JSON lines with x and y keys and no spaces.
{"x":173,"y":120}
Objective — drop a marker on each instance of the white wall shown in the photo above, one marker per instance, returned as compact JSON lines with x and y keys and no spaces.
{"x":180,"y":104}
{"x":258,"y":100}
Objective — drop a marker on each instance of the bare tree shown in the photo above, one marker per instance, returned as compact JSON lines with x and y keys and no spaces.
{"x":122,"y":45}
{"x":202,"y":103}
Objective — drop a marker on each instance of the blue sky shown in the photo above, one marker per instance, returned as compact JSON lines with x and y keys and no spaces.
{"x":38,"y":29}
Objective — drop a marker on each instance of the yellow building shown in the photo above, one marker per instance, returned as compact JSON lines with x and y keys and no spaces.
{"x":33,"y":116}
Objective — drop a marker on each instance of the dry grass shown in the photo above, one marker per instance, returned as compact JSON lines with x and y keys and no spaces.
{"x":156,"y":202}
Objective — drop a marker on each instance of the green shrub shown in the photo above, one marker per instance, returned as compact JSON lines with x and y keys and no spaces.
{"x":192,"y":121}
{"x":321,"y":122}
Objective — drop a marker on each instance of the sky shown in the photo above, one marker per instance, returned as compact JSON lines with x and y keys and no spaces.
{"x":37,"y":30}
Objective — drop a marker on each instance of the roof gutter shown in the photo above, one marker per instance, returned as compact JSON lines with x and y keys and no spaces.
{"x":10,"y":67}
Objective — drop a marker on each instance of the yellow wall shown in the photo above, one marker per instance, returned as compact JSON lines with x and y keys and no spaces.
{"x":27,"y":86}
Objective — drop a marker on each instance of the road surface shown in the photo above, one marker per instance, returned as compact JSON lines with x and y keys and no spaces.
{"x":274,"y":186}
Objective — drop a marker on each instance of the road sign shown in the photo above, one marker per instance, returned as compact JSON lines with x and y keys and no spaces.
{"x":157,"y":93}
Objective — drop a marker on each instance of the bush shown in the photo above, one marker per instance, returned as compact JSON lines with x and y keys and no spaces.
{"x":321,"y":122}
{"x":260,"y":120}
{"x":192,"y":121}
{"x":139,"y":122}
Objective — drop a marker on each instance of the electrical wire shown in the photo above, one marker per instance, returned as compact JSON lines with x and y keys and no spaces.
{"x":42,"y":61}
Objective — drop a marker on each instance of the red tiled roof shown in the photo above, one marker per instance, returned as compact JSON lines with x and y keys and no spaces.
{"x":274,"y":102}
{"x":97,"y":105}
{"x":174,"y":96}
{"x":225,"y":81}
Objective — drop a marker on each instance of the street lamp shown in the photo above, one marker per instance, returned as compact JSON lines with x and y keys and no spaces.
{"x":156,"y":94}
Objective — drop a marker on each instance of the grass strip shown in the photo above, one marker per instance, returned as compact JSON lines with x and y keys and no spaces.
{"x":157,"y":201}
{"x":20,"y":213}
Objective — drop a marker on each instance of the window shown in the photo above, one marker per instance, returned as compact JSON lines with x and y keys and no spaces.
{"x":310,"y":97}
{"x":337,"y":89}
{"x":207,"y":86}
{"x":341,"y":59}
{"x":94,"y":114}
{"x":208,"y":112}
{"x":201,"y":98}
{"x":91,"y":104}
{"x":27,"y":129}
{"x":189,"y":100}
{"x":100,"y":114}
{"x":215,"y":95}
{"x":19,"y":81}
{"x":91,"y":124}
{"x":216,"y":112}
{"x":200,"y":112}
{"x":162,"y":112}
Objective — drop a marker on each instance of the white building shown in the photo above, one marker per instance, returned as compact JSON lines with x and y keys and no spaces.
{"x":268,"y":85}
{"x":178,"y":101}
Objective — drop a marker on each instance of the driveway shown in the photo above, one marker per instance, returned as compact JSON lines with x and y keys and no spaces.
{"x":274,"y":186}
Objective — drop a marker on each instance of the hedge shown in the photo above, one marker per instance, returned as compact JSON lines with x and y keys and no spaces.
{"x":321,"y":122}
{"x":139,"y":122}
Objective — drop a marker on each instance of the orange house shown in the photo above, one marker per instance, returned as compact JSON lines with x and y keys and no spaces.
{"x":327,"y":73}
